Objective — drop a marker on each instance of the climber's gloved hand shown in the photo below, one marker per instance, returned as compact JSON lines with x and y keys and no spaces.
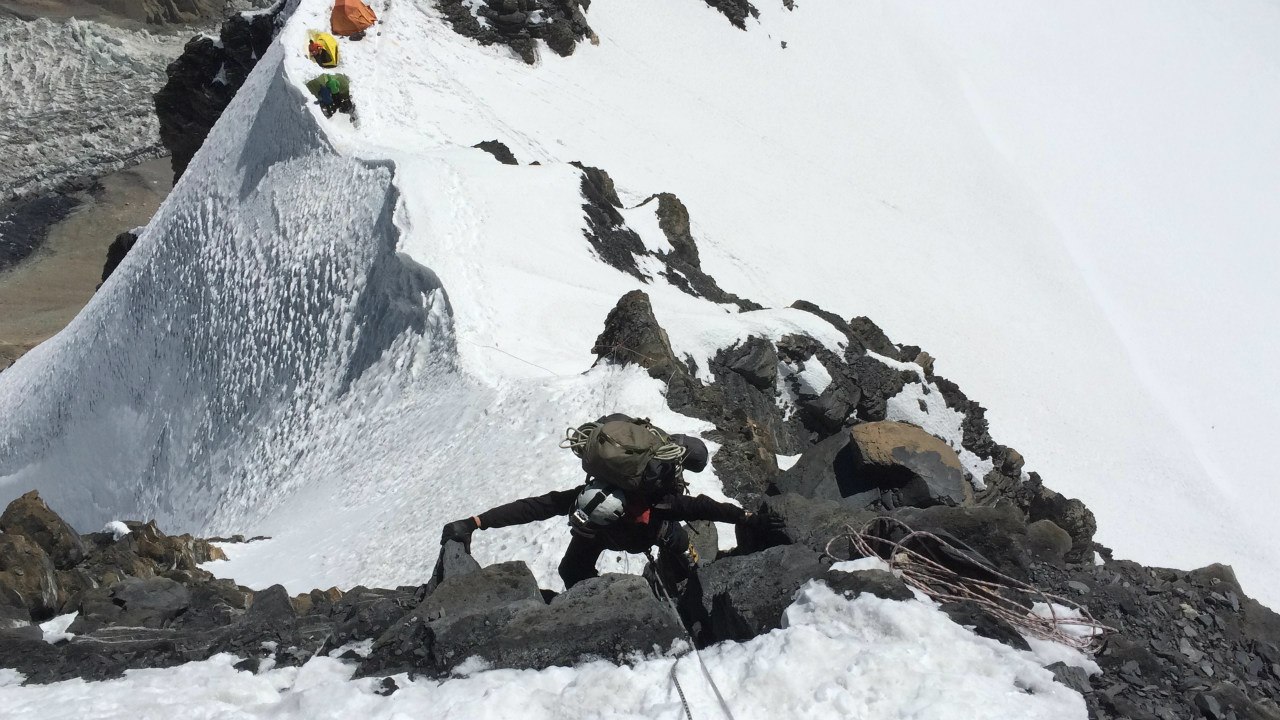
{"x":763,"y":522}
{"x":460,"y":531}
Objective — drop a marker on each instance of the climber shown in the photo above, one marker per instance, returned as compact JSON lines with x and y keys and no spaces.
{"x":333,"y":93}
{"x":633,"y":499}
{"x":323,"y":48}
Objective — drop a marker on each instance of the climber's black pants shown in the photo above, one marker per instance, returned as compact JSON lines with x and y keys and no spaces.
{"x":579,"y":562}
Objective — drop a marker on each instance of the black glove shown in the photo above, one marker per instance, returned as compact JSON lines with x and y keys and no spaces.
{"x":459,"y":531}
{"x":763,"y":522}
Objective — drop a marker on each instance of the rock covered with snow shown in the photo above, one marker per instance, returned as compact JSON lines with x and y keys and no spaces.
{"x":519,"y":24}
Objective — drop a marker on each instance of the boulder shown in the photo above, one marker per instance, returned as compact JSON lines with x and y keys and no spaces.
{"x":29,"y":516}
{"x":756,"y":360}
{"x":740,"y":597}
{"x":475,"y":603}
{"x":1047,"y":542}
{"x":13,"y":609}
{"x":705,"y":539}
{"x":150,"y":602}
{"x":614,"y":617}
{"x":828,"y":471}
{"x":498,"y":150}
{"x":913,"y":467}
{"x":871,"y":337}
{"x":998,"y":534}
{"x":272,"y":605}
{"x":632,"y":335}
{"x":27,"y":572}
{"x":880,"y":583}
{"x":368,"y":613}
{"x":878,"y":465}
{"x":973,"y":617}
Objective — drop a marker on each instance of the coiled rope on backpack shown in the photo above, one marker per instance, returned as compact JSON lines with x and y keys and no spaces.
{"x":576,"y":439}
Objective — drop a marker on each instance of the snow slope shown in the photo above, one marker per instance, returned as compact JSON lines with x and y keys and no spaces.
{"x":344,"y":335}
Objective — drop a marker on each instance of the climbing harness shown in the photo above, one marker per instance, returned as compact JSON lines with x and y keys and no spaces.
{"x":665,"y":594}
{"x":1002,"y":597}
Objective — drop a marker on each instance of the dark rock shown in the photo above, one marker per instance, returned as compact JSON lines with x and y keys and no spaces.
{"x":855,"y":346}
{"x":606,"y":230}
{"x":498,"y":150}
{"x":27,"y":571}
{"x":368,"y":613}
{"x":684,"y":267}
{"x":880,"y":465}
{"x":998,"y":534}
{"x":614,"y":617}
{"x":876,"y":383}
{"x":880,"y":583}
{"x":204,"y":79}
{"x":454,"y":561}
{"x":387,"y":687}
{"x":561,"y":26}
{"x":632,"y":335}
{"x":740,"y":597}
{"x":272,"y":606}
{"x":871,"y":338}
{"x":985,"y":625}
{"x":705,"y":539}
{"x":30,"y":517}
{"x":116,"y":252}
{"x":150,"y":602}
{"x":736,"y":10}
{"x":1048,"y":542}
{"x":13,"y":608}
{"x":756,"y":360}
{"x":474,"y":603}
{"x":829,"y":471}
{"x":1073,"y":677}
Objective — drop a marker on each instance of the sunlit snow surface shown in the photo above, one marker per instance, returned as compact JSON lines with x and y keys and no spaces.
{"x":836,"y":659}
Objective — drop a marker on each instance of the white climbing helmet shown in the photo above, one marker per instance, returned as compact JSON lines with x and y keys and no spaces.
{"x":599,"y":504}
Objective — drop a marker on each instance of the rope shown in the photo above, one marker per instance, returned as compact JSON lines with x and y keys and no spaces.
{"x":999,"y":599}
{"x":665,"y":594}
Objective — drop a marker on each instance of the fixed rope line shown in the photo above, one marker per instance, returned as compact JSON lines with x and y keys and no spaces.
{"x":665,"y":594}
{"x":999,"y":598}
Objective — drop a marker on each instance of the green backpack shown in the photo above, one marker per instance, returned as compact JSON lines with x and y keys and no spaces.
{"x":617,"y":452}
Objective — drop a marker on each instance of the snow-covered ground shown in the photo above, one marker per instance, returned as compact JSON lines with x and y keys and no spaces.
{"x":835,"y":659}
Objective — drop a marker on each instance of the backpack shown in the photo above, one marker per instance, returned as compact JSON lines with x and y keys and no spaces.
{"x":617,"y":452}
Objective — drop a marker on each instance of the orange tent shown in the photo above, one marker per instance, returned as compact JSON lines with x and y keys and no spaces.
{"x":351,"y":16}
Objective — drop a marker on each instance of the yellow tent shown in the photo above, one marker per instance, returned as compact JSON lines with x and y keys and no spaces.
{"x":323,"y":48}
{"x":351,"y":16}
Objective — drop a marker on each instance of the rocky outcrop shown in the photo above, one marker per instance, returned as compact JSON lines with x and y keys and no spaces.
{"x":117,"y":251}
{"x":520,"y":24}
{"x":26,"y":572}
{"x":53,"y":570}
{"x":498,"y":150}
{"x":621,"y":248}
{"x":204,"y":79}
{"x":30,"y":517}
{"x":880,"y":465}
{"x":736,"y":10}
